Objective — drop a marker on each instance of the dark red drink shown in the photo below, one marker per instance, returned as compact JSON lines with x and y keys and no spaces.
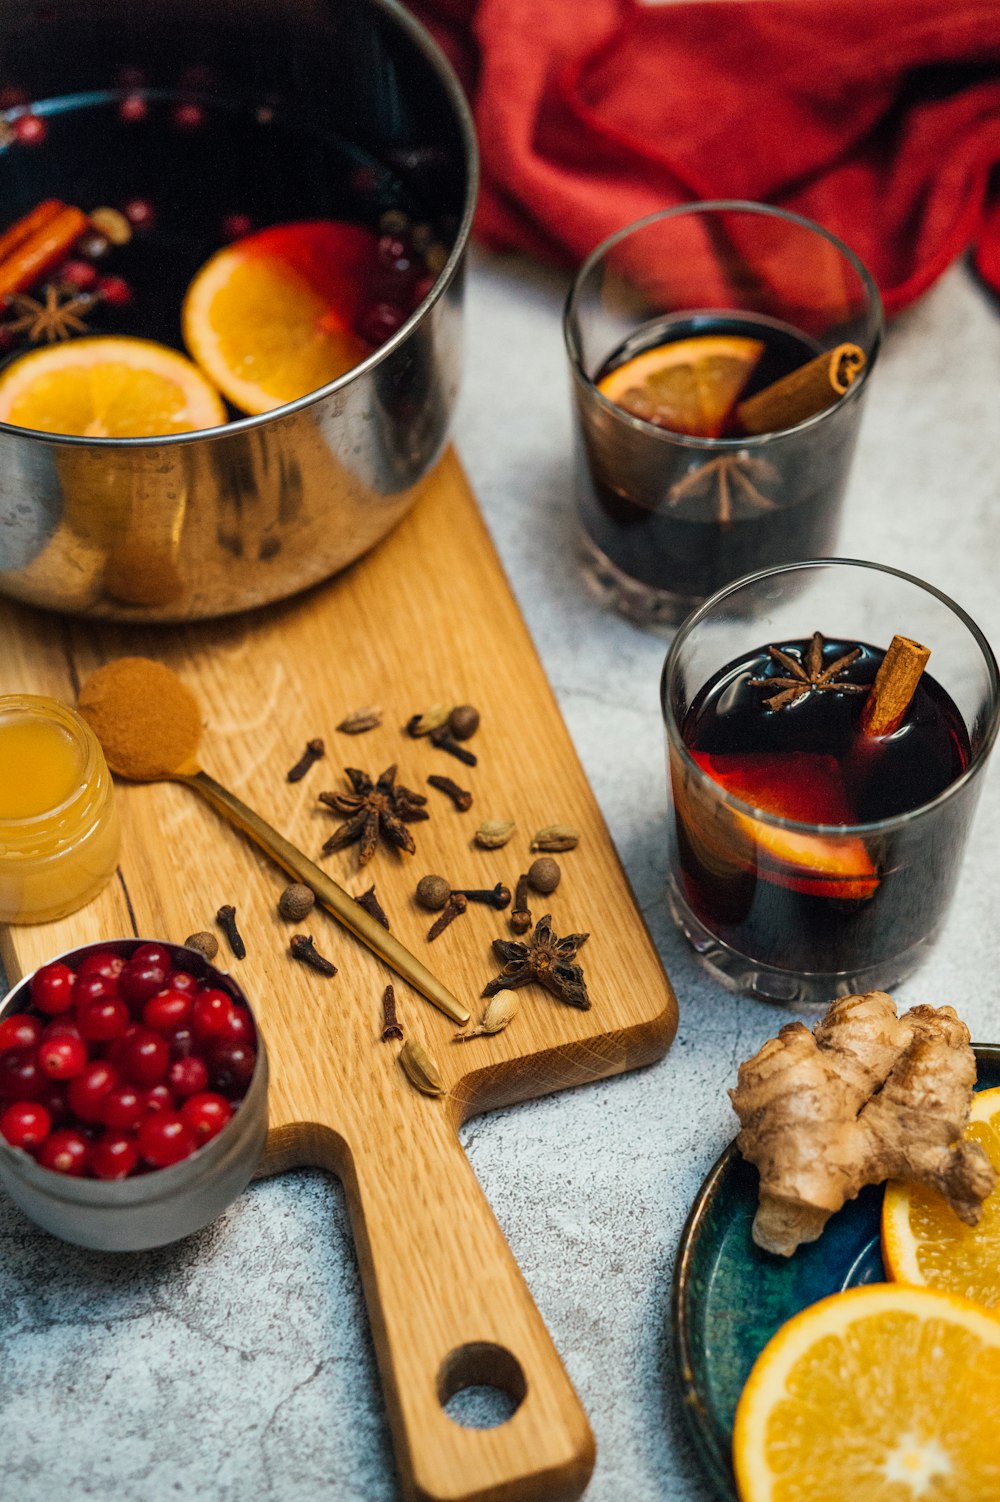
{"x":855,"y":883}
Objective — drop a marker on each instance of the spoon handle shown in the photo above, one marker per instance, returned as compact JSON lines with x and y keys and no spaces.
{"x":333,"y":897}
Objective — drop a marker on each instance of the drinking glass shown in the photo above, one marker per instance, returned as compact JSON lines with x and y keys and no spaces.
{"x":757,"y":895}
{"x":669,"y":517}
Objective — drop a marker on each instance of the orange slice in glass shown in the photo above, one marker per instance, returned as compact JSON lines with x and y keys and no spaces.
{"x":271,"y":317}
{"x":880,"y":1394}
{"x":109,"y":388}
{"x":690,"y":386}
{"x":923,"y":1240}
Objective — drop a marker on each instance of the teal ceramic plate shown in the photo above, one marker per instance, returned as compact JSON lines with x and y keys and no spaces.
{"x":729,"y":1297}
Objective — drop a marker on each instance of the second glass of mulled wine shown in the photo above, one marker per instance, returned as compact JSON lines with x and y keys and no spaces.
{"x":719,"y":355}
{"x":827,"y":725}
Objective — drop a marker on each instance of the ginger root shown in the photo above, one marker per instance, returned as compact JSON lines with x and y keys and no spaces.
{"x":866,"y":1096}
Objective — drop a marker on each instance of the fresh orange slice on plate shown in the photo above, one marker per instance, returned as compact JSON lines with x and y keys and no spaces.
{"x":271,"y":317}
{"x":880,"y":1394}
{"x":689,"y":386}
{"x":923,"y":1240}
{"x":109,"y":387}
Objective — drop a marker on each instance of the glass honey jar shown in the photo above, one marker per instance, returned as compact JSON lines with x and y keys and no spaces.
{"x":59,"y":830}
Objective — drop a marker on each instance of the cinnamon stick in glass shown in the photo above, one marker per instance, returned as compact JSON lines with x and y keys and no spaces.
{"x":895,"y":684}
{"x":803,"y":392}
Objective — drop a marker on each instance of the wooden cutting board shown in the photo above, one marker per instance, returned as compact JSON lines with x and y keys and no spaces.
{"x":427,"y":618}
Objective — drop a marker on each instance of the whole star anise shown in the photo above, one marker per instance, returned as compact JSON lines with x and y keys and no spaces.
{"x":807,"y":674}
{"x":373,"y":809}
{"x":544,"y":959}
{"x":56,"y":318}
{"x":721,"y":480}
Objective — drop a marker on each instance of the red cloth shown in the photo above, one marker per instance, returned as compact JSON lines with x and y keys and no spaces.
{"x":878,"y":118}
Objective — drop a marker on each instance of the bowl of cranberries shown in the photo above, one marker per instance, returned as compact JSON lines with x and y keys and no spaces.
{"x":133,"y":1094}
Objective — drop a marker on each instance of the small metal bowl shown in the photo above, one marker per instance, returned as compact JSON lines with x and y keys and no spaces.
{"x":151,"y":1209}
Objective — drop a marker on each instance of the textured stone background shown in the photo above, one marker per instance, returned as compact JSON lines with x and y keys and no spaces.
{"x":238,"y":1363}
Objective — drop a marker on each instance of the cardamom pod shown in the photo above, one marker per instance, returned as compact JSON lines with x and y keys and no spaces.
{"x":556,"y":837}
{"x":431,"y":719}
{"x":493,"y":834}
{"x":360,"y":720}
{"x":420,"y":1069}
{"x":500,"y":1010}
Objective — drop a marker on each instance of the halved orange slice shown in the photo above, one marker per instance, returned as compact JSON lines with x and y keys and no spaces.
{"x":271,"y":317}
{"x":690,"y":386}
{"x":923,"y":1240}
{"x":109,"y":387}
{"x":880,"y":1394}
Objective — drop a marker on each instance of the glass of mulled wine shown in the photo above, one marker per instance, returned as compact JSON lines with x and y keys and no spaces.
{"x":824,"y":769}
{"x":719,"y":354}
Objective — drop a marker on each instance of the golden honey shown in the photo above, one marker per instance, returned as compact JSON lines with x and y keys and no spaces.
{"x":59,"y":831}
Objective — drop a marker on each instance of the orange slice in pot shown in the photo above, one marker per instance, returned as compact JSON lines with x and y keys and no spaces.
{"x":271,"y":317}
{"x":689,"y":386}
{"x":110,"y":387}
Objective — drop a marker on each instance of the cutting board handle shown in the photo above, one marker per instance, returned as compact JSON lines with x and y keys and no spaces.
{"x":450,"y":1309}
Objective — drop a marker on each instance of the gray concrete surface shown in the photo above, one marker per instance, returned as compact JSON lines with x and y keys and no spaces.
{"x":238,"y":1363}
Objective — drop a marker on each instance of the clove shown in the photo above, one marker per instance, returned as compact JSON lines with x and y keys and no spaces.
{"x":303,"y":948}
{"x":456,"y":904}
{"x":445,"y":741}
{"x":390,"y":1022}
{"x":372,"y":906}
{"x":226,"y":919}
{"x":498,"y":896}
{"x":461,"y":798}
{"x":520,"y":917}
{"x":314,"y":750}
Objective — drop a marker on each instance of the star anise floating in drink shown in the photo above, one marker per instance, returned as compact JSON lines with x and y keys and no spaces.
{"x":374,"y":810}
{"x":545,"y":959}
{"x":807,"y":674}
{"x":58,"y":317}
{"x":722,"y":479}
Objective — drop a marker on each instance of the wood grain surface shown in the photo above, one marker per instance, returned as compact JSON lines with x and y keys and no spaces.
{"x":428,"y":617}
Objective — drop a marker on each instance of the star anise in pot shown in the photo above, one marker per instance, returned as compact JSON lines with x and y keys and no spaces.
{"x":374,"y":810}
{"x":545,"y":959}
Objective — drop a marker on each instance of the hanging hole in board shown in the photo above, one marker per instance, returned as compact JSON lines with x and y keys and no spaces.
{"x":480,"y":1385}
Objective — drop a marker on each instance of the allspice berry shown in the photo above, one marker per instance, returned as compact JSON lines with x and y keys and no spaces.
{"x":203,"y":943}
{"x":433,"y":892}
{"x":463,"y":721}
{"x":544,"y":875}
{"x":296,"y":901}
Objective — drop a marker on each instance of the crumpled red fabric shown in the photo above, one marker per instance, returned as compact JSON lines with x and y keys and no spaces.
{"x":880,"y":119}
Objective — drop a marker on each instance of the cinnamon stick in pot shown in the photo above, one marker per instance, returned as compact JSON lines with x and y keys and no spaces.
{"x":895,"y":684}
{"x":803,"y":392}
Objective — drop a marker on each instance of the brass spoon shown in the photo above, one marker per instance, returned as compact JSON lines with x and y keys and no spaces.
{"x":149,"y":725}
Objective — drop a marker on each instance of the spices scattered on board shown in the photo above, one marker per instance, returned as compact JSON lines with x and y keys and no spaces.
{"x":545,"y":959}
{"x":374,"y":810}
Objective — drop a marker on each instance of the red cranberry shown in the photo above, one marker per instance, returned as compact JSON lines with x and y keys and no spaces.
{"x":19,"y":1031}
{"x":133,"y":109}
{"x":165,"y":1138}
{"x":123,"y":1107}
{"x":26,"y":1124}
{"x":231,"y":1067}
{"x":21,"y":1078}
{"x":100,"y":1021}
{"x":93,"y":987}
{"x":206,"y":1114}
{"x":117,"y":294}
{"x":182,"y":980}
{"x":139,"y":981}
{"x":65,"y":1151}
{"x":380,"y":322}
{"x":30,"y":130}
{"x":114,"y":1156}
{"x":210,"y":1014}
{"x":188,"y":1076}
{"x":52,"y":988}
{"x":115,"y":1051}
{"x":62,"y":1058}
{"x":144,"y":1057}
{"x":160,"y":1098}
{"x":81,"y":275}
{"x":235,"y":226}
{"x":101,"y":961}
{"x":166,"y":1010}
{"x":188,"y":116}
{"x":62,"y":1027}
{"x":182,"y":1042}
{"x":241,"y":1028}
{"x":86,"y":1094}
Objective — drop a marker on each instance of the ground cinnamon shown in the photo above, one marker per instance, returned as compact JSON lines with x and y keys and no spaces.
{"x":146,"y":719}
{"x":895,"y":684}
{"x":804,"y":392}
{"x":41,"y":249}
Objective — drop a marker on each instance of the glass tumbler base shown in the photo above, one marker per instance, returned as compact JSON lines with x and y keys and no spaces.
{"x":638,"y":602}
{"x":800,"y":990}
